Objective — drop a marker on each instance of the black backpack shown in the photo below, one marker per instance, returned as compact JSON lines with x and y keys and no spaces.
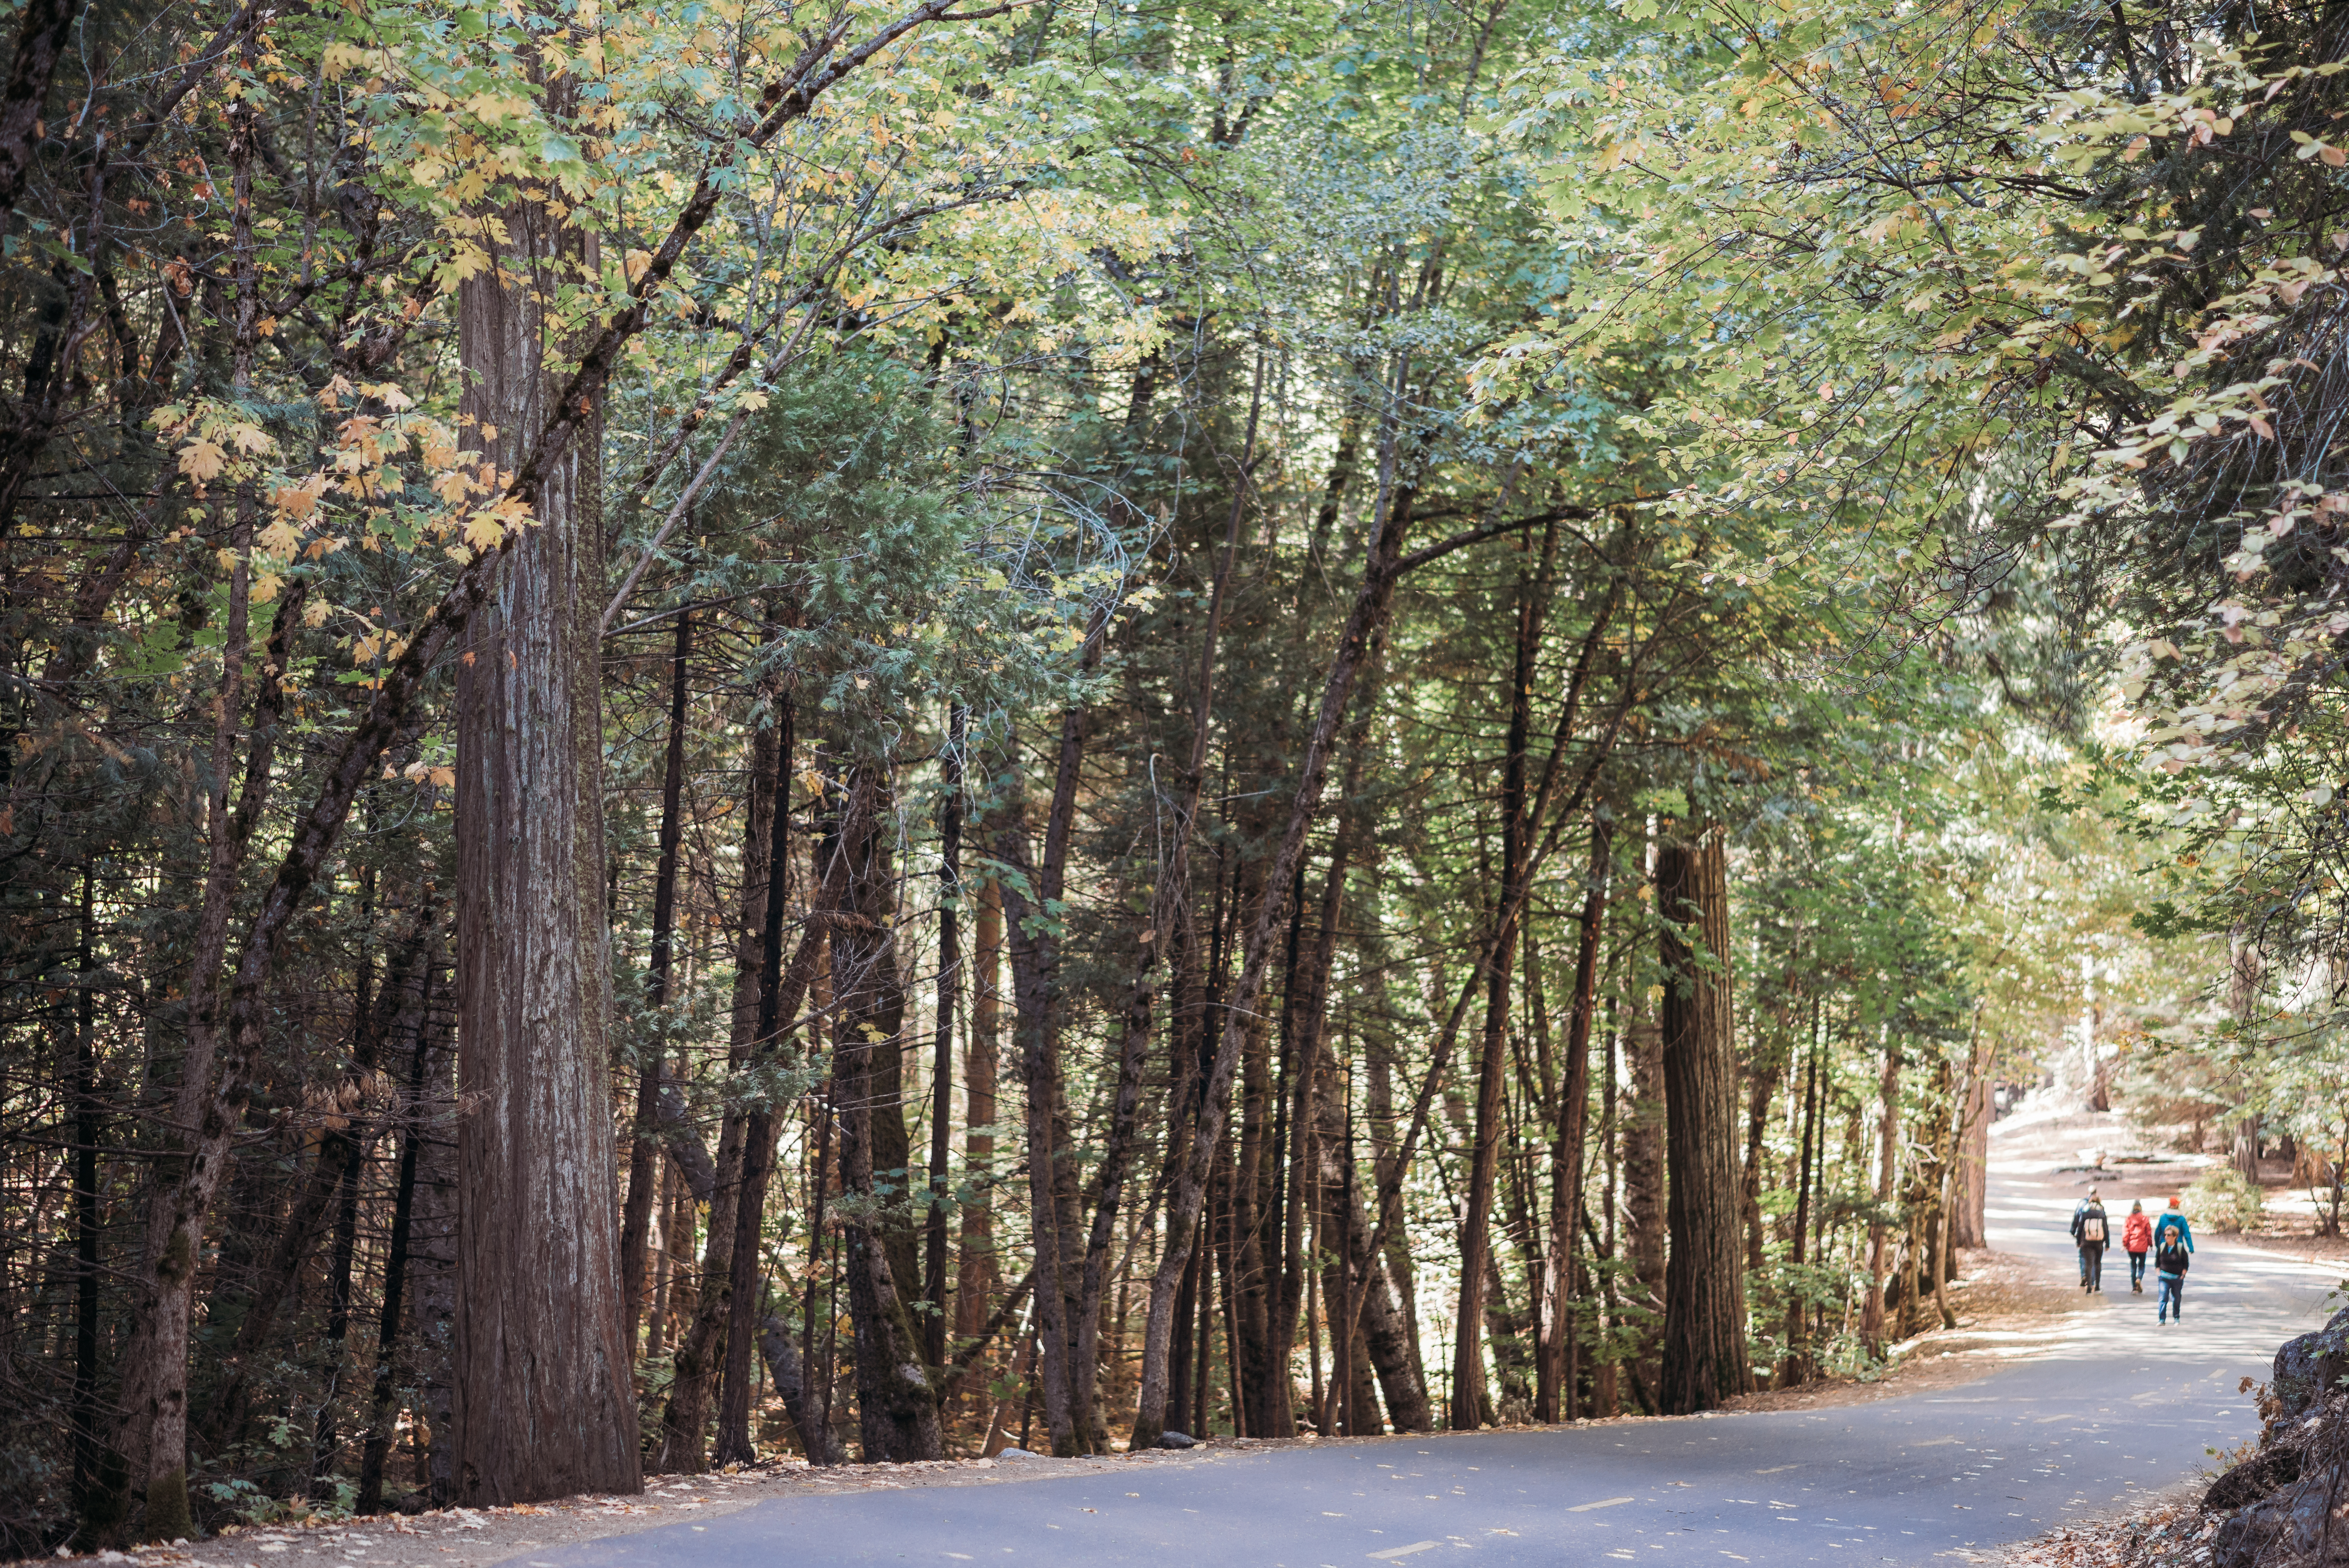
{"x":2092,"y":1228}
{"x":2172,"y":1257}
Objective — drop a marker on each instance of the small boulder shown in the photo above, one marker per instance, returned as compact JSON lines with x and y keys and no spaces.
{"x":1177,"y":1441}
{"x":1016,"y":1454}
{"x":2312,"y":1365}
{"x":2277,"y":1465}
{"x":2287,"y":1525}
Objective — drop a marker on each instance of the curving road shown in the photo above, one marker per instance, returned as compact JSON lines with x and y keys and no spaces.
{"x":2100,"y":1405}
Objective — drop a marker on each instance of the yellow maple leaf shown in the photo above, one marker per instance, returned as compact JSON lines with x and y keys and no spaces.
{"x":297,"y":502}
{"x":201,"y":459}
{"x":280,"y":538}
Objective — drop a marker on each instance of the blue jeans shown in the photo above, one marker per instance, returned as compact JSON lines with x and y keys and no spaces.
{"x":2173,"y":1299}
{"x":2136,"y":1268}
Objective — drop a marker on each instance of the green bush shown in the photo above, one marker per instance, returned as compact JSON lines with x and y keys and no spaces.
{"x":2221,"y":1200}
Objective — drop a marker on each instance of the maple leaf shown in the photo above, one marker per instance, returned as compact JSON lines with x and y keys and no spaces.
{"x":280,"y":538}
{"x":201,"y":460}
{"x":484,"y":532}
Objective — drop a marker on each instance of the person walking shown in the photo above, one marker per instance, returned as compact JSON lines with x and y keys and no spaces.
{"x":2089,"y":1232}
{"x":2169,"y":1262}
{"x":2136,"y":1239}
{"x":2173,"y":1219}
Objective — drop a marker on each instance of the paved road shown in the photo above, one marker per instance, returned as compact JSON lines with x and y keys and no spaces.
{"x":2098,"y":1407}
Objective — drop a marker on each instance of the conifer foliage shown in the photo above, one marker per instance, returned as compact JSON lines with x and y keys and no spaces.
{"x":872,"y":730}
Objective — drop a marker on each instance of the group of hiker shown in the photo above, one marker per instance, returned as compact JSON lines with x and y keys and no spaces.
{"x":2169,"y":1240}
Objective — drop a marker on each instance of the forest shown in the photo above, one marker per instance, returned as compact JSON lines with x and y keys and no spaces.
{"x":858,"y":729}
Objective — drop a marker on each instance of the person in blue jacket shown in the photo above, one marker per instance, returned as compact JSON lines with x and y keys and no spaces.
{"x":2173,"y":1219}
{"x":2173,"y":1245}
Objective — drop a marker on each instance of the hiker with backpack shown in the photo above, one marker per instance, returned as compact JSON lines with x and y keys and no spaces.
{"x":2090,"y":1232}
{"x":2136,"y":1239}
{"x":2169,"y":1264}
{"x":2173,"y":1219}
{"x":2173,"y":1246}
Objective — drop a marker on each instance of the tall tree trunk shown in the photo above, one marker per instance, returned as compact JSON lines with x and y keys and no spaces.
{"x":1036,"y":1004}
{"x":1606,"y":1379}
{"x":1475,"y":1239}
{"x":209,"y":1098}
{"x":326,"y":1439}
{"x":896,"y":1402}
{"x":1251,"y":1304}
{"x":934,"y":1263}
{"x":778,"y":999}
{"x":1928,"y":1217}
{"x":545,"y":1400}
{"x":693,"y":1366}
{"x":1887,"y":1168}
{"x":1796,"y":1366}
{"x":1554,"y":1390}
{"x":1760,"y":1092}
{"x":676,"y":1247}
{"x":148,"y":1449}
{"x":383,"y":1411}
{"x":1643,"y":1189}
{"x":1383,"y":1340}
{"x":1969,"y":1196}
{"x":975,"y":1270}
{"x":432,"y":1241}
{"x":89,"y":1125}
{"x":1704,"y":1358}
{"x":1381,"y":567}
{"x":644,"y":1150}
{"x":1185,"y":1361}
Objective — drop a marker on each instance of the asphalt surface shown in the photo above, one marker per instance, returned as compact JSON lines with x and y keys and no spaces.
{"x":2100,"y":1405}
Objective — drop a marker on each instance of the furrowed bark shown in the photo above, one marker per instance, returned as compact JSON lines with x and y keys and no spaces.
{"x":155,"y":1360}
{"x":1704,"y":1360}
{"x":545,"y":1398}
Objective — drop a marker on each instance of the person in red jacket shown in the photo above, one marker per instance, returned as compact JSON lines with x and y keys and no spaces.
{"x":2136,"y":1239}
